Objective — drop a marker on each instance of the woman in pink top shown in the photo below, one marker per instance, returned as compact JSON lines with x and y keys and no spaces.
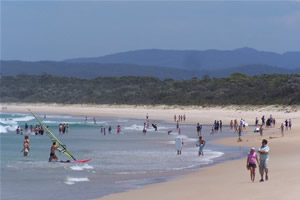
{"x":251,"y":163}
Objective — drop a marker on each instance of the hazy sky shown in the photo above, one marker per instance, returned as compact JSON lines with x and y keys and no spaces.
{"x":57,"y":30}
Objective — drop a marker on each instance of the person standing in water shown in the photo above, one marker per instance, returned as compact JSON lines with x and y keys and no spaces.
{"x":201,"y":146}
{"x":179,"y":144}
{"x":52,"y":152}
{"x":26,"y":148}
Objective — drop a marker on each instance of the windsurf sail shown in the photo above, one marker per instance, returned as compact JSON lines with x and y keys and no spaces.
{"x":61,"y":147}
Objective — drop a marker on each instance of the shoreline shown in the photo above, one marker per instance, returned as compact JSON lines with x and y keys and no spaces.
{"x":205,"y":115}
{"x":229,"y":179}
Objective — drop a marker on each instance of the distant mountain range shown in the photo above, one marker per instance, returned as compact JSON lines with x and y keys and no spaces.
{"x":164,"y":64}
{"x":198,"y":60}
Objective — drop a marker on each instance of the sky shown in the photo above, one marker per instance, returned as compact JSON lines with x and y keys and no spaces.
{"x":58,"y":30}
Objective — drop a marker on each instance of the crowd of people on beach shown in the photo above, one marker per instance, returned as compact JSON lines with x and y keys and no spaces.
{"x":180,"y":118}
{"x":252,"y":158}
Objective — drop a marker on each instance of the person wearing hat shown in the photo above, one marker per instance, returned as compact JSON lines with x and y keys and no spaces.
{"x":251,"y":163}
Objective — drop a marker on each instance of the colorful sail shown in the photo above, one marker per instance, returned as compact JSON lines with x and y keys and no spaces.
{"x":61,"y":147}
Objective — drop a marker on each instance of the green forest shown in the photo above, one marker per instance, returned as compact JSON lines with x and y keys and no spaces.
{"x":236,"y":89}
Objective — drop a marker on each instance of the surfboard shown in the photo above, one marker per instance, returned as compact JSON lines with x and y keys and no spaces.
{"x":77,"y":161}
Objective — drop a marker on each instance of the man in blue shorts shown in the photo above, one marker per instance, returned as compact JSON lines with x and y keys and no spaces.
{"x":263,"y":160}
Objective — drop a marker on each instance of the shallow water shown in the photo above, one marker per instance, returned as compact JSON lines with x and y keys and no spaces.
{"x":120,"y":161}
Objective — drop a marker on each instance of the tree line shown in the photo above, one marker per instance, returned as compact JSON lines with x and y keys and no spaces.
{"x":238,"y":89}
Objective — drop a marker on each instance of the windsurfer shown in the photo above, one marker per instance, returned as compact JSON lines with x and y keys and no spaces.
{"x":52,"y":153}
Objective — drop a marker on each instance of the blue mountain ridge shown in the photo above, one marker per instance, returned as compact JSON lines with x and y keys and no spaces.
{"x":198,"y":60}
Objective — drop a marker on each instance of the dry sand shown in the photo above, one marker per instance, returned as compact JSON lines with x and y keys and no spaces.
{"x":229,"y":180}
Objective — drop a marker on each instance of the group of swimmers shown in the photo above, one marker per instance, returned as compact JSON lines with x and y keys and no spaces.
{"x":37,"y":130}
{"x":63,"y":128}
{"x":103,"y":130}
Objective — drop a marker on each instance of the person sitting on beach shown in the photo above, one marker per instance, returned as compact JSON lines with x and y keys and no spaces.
{"x":251,"y":163}
{"x":52,"y":152}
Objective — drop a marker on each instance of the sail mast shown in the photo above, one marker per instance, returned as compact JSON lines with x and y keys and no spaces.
{"x":63,"y":148}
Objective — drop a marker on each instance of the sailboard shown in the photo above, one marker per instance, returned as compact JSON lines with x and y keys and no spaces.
{"x":77,"y":161}
{"x":61,"y":147}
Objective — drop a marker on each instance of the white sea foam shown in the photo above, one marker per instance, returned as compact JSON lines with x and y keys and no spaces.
{"x":80,"y":168}
{"x":23,"y":119}
{"x":8,"y":125}
{"x":11,"y":124}
{"x":61,"y":122}
{"x":58,"y":116}
{"x":134,"y":127}
{"x":122,"y":121}
{"x":73,"y":180}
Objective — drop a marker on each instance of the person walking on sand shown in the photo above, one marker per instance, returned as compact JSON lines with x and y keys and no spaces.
{"x":261,"y":130}
{"x":251,"y":163}
{"x":240,"y":134}
{"x":263,"y":160}
{"x":282,"y":129}
{"x":52,"y":152}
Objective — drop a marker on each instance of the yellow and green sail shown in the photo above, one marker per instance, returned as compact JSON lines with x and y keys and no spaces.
{"x":62,"y":148}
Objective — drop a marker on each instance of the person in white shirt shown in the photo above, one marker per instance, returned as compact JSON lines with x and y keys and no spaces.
{"x":263,"y":160}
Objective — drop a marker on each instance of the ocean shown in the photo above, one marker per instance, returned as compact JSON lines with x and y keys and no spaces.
{"x":120,"y":161}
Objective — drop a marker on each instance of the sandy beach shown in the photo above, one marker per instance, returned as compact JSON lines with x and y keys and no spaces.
{"x":229,"y":180}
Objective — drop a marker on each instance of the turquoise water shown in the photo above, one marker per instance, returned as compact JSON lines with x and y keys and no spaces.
{"x":119,"y":161}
